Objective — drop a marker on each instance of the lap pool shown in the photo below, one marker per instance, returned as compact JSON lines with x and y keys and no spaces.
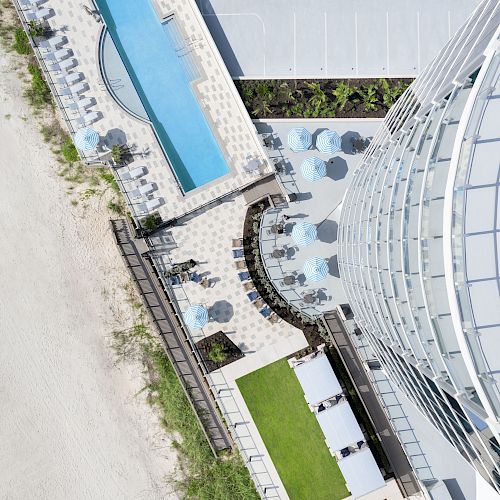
{"x":162,"y":70}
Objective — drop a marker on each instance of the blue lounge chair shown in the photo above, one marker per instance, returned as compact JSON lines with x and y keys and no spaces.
{"x":238,"y":253}
{"x":244,"y":276}
{"x":265,"y":312}
{"x":253,"y":295}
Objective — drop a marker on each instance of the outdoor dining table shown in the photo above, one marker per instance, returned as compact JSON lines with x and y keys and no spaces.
{"x":277,"y":229}
{"x":309,"y":298}
{"x":289,"y":280}
{"x":278,"y":253}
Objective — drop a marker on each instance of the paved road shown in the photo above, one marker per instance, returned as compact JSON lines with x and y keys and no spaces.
{"x":392,"y":447}
{"x":331,"y":38}
{"x":177,"y":347}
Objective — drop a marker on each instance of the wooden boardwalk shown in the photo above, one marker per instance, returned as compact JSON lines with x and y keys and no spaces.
{"x":177,"y":346}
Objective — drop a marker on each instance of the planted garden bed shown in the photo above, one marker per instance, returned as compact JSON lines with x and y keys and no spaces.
{"x":356,"y":98}
{"x":218,"y":350}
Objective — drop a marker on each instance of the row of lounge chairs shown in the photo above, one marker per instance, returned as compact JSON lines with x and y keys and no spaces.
{"x":246,"y":281}
{"x":60,"y":63}
{"x":141,"y":190}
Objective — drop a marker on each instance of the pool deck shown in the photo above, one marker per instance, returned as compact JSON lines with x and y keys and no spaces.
{"x":219,"y":99}
{"x":331,"y":38}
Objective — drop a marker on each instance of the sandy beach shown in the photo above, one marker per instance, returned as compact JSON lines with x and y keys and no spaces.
{"x":73,"y":423}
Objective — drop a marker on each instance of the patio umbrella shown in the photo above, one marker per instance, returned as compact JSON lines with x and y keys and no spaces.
{"x":313,"y":168}
{"x":328,"y":141}
{"x":299,"y":139}
{"x":315,"y":269}
{"x":304,"y":233}
{"x":196,"y":316}
{"x":86,"y":139}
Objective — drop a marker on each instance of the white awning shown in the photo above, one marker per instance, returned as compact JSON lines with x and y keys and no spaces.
{"x":339,"y":426}
{"x":317,"y":379}
{"x":361,"y":473}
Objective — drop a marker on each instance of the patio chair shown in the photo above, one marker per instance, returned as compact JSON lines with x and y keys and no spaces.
{"x":259,"y":304}
{"x":88,"y":118}
{"x":134,"y":174}
{"x":240,"y":264}
{"x":248,"y":286}
{"x":30,"y":3}
{"x":244,"y":276}
{"x":237,"y":242}
{"x":238,"y":253}
{"x":53,"y":42}
{"x":273,"y":318}
{"x":252,"y":296}
{"x":39,"y":14}
{"x":142,"y":190}
{"x":266,"y":311}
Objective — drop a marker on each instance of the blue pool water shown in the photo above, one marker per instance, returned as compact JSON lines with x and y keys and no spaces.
{"x":161,"y":74}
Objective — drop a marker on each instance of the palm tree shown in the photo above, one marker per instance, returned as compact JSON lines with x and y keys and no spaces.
{"x":342,"y":93}
{"x":369,"y":96}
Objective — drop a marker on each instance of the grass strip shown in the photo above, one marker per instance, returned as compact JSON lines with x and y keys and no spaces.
{"x":292,"y":434}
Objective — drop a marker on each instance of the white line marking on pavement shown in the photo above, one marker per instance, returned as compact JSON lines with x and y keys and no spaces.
{"x":418,"y":41}
{"x":387,"y":40}
{"x":356,"y":39}
{"x":326,"y":44}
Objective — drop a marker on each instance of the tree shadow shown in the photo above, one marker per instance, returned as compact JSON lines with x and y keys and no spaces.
{"x":327,"y":231}
{"x":115,"y":136}
{"x":336,"y":168}
{"x":333,"y":266}
{"x":222,"y":311}
{"x":347,"y":139}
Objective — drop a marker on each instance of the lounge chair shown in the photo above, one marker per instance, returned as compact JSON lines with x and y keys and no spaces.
{"x":252,"y":296}
{"x":238,"y":253}
{"x":52,"y":43}
{"x":240,"y":264}
{"x":273,"y":318}
{"x":244,"y":276}
{"x":266,"y":311}
{"x":237,"y":242}
{"x":259,"y":304}
{"x":39,"y":14}
{"x":149,"y":206}
{"x":63,"y":65}
{"x":134,"y":174}
{"x":78,"y":88}
{"x":88,"y":118}
{"x":70,"y":79}
{"x":30,"y":3}
{"x":81,"y":103}
{"x":57,"y":56}
{"x":142,"y":190}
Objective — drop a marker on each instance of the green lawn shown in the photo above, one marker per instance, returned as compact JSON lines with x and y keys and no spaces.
{"x":292,"y":434}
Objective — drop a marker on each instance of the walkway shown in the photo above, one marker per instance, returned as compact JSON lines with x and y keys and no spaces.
{"x":176,"y":345}
{"x":390,"y":443}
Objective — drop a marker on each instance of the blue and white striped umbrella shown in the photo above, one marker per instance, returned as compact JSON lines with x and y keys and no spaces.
{"x":86,"y":139}
{"x":196,"y":316}
{"x":328,"y":141}
{"x":299,"y":139}
{"x":315,"y":269}
{"x":313,"y":168}
{"x":304,"y":233}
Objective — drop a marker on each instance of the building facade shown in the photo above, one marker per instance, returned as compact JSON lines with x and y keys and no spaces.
{"x":419,"y":243}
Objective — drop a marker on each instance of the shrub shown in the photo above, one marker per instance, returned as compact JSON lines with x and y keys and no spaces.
{"x":21,"y":43}
{"x":69,"y":151}
{"x":217,"y":353}
{"x":117,"y":153}
{"x":36,"y":29}
{"x":39,"y":92}
{"x":150,"y":222}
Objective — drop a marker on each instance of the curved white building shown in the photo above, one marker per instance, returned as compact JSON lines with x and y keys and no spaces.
{"x":419,"y":242}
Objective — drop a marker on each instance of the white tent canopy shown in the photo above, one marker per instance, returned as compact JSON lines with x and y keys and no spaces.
{"x":317,"y":379}
{"x":361,"y":473}
{"x":339,"y":426}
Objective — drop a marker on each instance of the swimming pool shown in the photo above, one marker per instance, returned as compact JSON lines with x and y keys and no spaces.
{"x":162,"y":75}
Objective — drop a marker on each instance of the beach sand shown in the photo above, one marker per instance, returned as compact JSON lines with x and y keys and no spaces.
{"x":73,"y":424}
